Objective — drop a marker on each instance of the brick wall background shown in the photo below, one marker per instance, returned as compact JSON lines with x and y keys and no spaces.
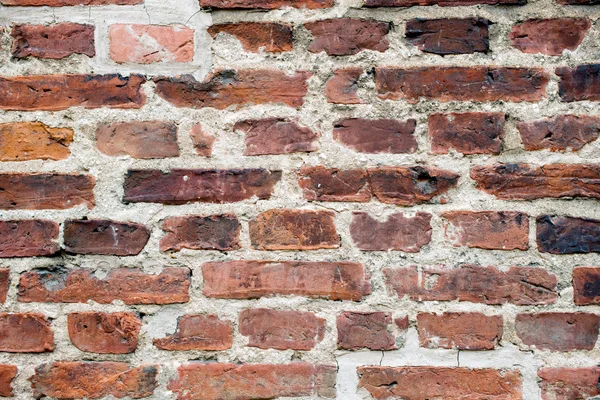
{"x":299,"y":198}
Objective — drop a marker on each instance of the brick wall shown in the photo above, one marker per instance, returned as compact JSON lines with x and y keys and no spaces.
{"x":352,"y":199}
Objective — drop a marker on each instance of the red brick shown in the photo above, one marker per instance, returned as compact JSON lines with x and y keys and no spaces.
{"x":93,"y":380}
{"x":254,"y":36}
{"x":490,"y":230}
{"x":4,"y":286}
{"x":24,"y":141}
{"x":203,"y":142}
{"x":59,"y":92}
{"x":347,"y":36}
{"x":266,"y":4}
{"x":527,"y":182}
{"x":449,"y":36}
{"x":181,"y":186}
{"x":254,"y":279}
{"x":563,"y":132}
{"x":418,"y":383}
{"x":558,"y":331}
{"x":397,"y":232}
{"x":294,"y":230}
{"x":62,"y":3}
{"x":567,"y":235}
{"x":227,"y":88}
{"x":214,"y":381}
{"x":213,"y":232}
{"x":463,"y":331}
{"x":7,"y":374}
{"x":148,"y":139}
{"x":377,"y":135}
{"x":341,"y":88}
{"x":100,"y":236}
{"x":569,"y":383}
{"x":281,"y":330}
{"x":25,"y":333}
{"x":132,"y":286}
{"x":198,"y":332}
{"x":467,"y":133}
{"x":53,"y":41}
{"x":105,"y":333}
{"x":579,"y":83}
{"x":586,"y":285}
{"x":276,"y":136}
{"x":549,"y":36}
{"x":441,"y":3}
{"x":461,"y":83}
{"x":488,"y":285}
{"x":370,"y":330}
{"x":28,"y":238}
{"x":323,"y":184}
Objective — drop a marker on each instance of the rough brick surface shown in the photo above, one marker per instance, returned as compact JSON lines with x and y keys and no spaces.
{"x":449,"y":36}
{"x":586,"y":285}
{"x":579,"y":83}
{"x":467,"y":133}
{"x":214,"y":232}
{"x":567,"y":235}
{"x":105,"y":333}
{"x":7,"y":374}
{"x":569,"y":383}
{"x":24,"y":141}
{"x":254,"y":36}
{"x":53,"y":41}
{"x":347,"y":36}
{"x":202,"y":141}
{"x":397,"y":232}
{"x":151,"y":139}
{"x":369,"y":330}
{"x":342,"y":87}
{"x":464,"y":331}
{"x":28,"y":238}
{"x":549,"y":36}
{"x":276,"y":136}
{"x":4,"y":284}
{"x":25,"y":333}
{"x":105,"y":237}
{"x":563,"y":132}
{"x":198,"y":332}
{"x":376,"y":136}
{"x":558,"y":331}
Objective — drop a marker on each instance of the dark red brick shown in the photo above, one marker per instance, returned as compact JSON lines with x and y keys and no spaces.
{"x":563,"y":132}
{"x":7,"y":374}
{"x":105,"y":333}
{"x":370,"y":330}
{"x":25,"y":333}
{"x":397,"y":232}
{"x":463,"y":331}
{"x":214,"y":232}
{"x":449,"y":36}
{"x":586,"y":285}
{"x":28,"y":238}
{"x":265,"y":4}
{"x":569,"y":383}
{"x":467,"y":133}
{"x":376,"y":135}
{"x":198,"y":332}
{"x":347,"y":36}
{"x":100,"y":236}
{"x":324,"y":184}
{"x":567,"y":235}
{"x":53,"y":41}
{"x":342,"y":87}
{"x":141,"y":139}
{"x":549,"y":36}
{"x":276,"y":136}
{"x":579,"y":83}
{"x":558,"y":331}
{"x":254,"y":36}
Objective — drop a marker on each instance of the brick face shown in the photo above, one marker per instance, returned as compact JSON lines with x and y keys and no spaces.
{"x":24,"y":141}
{"x":54,"y":41}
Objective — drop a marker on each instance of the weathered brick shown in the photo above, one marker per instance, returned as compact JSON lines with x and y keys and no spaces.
{"x":63,"y":3}
{"x":7,"y":374}
{"x":441,"y":3}
{"x":180,"y":186}
{"x":577,"y":2}
{"x":376,"y":135}
{"x":132,"y":286}
{"x":331,"y":184}
{"x":213,"y":232}
{"x":569,"y":383}
{"x":25,"y":333}
{"x":214,"y":381}
{"x":463,"y":331}
{"x":342,"y":87}
{"x":227,"y":88}
{"x":93,"y":380}
{"x":347,"y":36}
{"x":202,"y":141}
{"x":4,"y":284}
{"x":28,"y":238}
{"x":558,"y":331}
{"x":198,"y":332}
{"x":101,"y":236}
{"x":281,"y":329}
{"x":254,"y":279}
{"x":105,"y":333}
{"x":53,"y":41}
{"x":549,"y":36}
{"x":418,"y":383}
{"x":579,"y":83}
{"x":449,"y":36}
{"x":59,"y":92}
{"x":491,"y":230}
{"x":567,"y":235}
{"x":488,"y":285}
{"x":527,"y":182}
{"x":266,"y":4}
{"x":294,"y":230}
{"x":370,"y":330}
{"x":24,"y":141}
{"x":563,"y":132}
{"x":467,"y":133}
{"x":276,"y":136}
{"x":397,"y":232}
{"x":586,"y":285}
{"x":461,"y":83}
{"x":148,"y":139}
{"x":256,"y":36}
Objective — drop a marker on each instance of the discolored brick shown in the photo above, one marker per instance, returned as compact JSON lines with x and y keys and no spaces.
{"x":203,"y":142}
{"x":567,"y":235}
{"x":586,"y":285}
{"x":7,"y":375}
{"x":376,"y":135}
{"x":148,"y":139}
{"x":105,"y":237}
{"x":276,"y":136}
{"x":4,"y":285}
{"x":463,"y":331}
{"x":397,"y":232}
{"x":579,"y":83}
{"x":549,"y":36}
{"x":25,"y":333}
{"x":52,"y":41}
{"x":449,"y":35}
{"x":214,"y":232}
{"x":468,"y":133}
{"x":561,"y":133}
{"x":569,"y":383}
{"x":324,"y":184}
{"x":347,"y":36}
{"x":198,"y":332}
{"x":254,"y":36}
{"x":342,"y":87}
{"x":28,"y":238}
{"x":370,"y":330}
{"x":558,"y":331}
{"x":24,"y":141}
{"x":104,"y":333}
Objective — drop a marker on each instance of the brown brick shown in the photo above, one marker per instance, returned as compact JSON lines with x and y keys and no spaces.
{"x":148,"y":139}
{"x":4,"y":285}
{"x":214,"y":381}
{"x":213,"y":232}
{"x":254,"y":36}
{"x":449,"y":36}
{"x":105,"y":333}
{"x":567,"y":235}
{"x":441,"y":3}
{"x":203,"y":142}
{"x":549,"y":36}
{"x":563,"y":132}
{"x":7,"y":374}
{"x":397,"y":232}
{"x":490,"y":230}
{"x":370,"y":330}
{"x":132,"y":286}
{"x":198,"y":332}
{"x":467,"y":133}
{"x":347,"y":36}
{"x":62,"y":3}
{"x":586,"y":285}
{"x":53,"y":41}
{"x":341,"y":88}
{"x":463,"y":331}
{"x":488,"y":285}
{"x":324,"y":184}
{"x":569,"y":383}
{"x":24,"y":141}
{"x":294,"y":230}
{"x":59,"y":92}
{"x":101,"y":236}
{"x":266,"y":4}
{"x":229,"y":87}
{"x":25,"y":333}
{"x":579,"y":83}
{"x":180,"y":186}
{"x":93,"y":380}
{"x":28,"y":238}
{"x":276,"y":136}
{"x":254,"y":279}
{"x":418,"y":383}
{"x":281,"y":330}
{"x":558,"y":331}
{"x":461,"y":83}
{"x":377,"y":135}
